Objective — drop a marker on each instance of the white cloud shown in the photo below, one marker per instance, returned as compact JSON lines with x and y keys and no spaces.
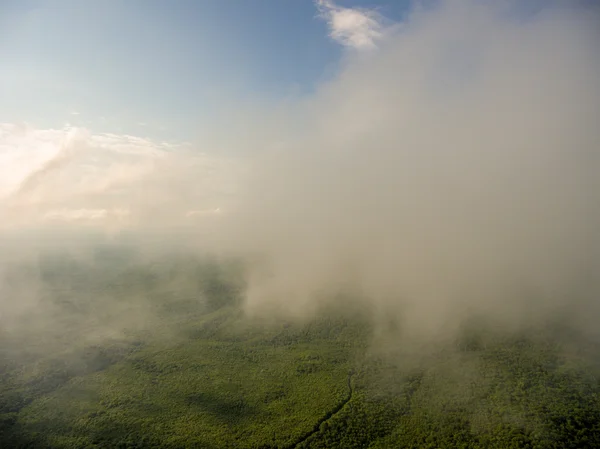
{"x":203,"y":213}
{"x":359,"y":28}
{"x":85,"y":214}
{"x":71,"y":175}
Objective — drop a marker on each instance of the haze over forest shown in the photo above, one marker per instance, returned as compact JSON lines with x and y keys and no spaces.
{"x":406,"y":256}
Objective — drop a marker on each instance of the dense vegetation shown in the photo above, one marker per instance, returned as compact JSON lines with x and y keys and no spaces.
{"x":180,"y":365}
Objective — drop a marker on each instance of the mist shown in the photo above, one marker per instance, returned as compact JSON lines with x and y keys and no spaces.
{"x":451,"y":172}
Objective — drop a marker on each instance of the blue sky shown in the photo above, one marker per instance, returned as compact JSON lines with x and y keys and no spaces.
{"x":161,"y":68}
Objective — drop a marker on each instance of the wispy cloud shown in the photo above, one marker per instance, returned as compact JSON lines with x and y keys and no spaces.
{"x":359,"y":28}
{"x":72,"y":175}
{"x":85,"y":214}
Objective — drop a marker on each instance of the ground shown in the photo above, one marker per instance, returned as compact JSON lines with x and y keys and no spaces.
{"x":204,"y":374}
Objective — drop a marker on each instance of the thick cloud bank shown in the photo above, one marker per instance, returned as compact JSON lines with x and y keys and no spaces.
{"x":455,"y":170}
